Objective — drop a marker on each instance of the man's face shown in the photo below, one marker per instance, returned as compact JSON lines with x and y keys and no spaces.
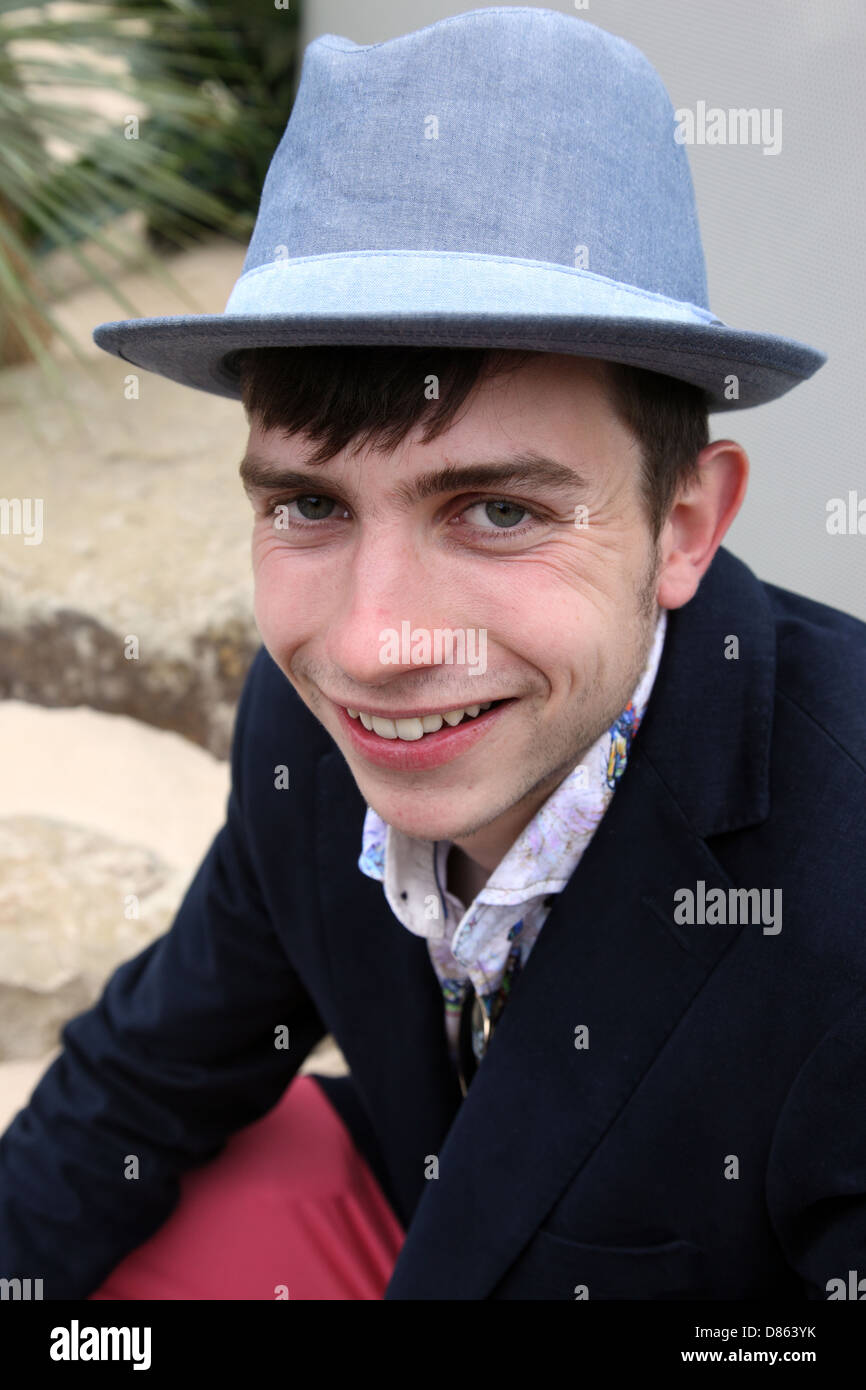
{"x":550,"y":581}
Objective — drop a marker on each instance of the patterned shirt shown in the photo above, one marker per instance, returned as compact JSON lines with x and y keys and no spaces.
{"x":484,"y":946}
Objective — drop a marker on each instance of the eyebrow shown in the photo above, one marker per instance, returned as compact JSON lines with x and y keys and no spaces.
{"x":528,"y":468}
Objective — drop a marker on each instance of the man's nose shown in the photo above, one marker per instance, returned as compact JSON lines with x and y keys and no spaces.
{"x":389,"y":583}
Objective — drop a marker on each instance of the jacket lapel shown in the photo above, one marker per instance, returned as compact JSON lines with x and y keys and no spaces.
{"x":610,"y":956}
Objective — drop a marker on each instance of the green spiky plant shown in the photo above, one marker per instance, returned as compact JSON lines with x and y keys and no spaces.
{"x":207,"y":90}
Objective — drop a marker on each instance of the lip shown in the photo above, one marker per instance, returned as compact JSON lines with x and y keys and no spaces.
{"x":432,"y":751}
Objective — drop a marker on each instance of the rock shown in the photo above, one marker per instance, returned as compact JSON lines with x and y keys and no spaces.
{"x":74,"y":903}
{"x":92,"y":807}
{"x":138,"y":784}
{"x":89,"y":802}
{"x":186,"y":682}
{"x":145,"y":528}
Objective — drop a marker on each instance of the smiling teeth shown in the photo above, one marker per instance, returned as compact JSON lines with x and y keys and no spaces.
{"x":418,"y":725}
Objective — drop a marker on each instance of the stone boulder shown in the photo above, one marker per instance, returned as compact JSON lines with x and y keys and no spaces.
{"x":74,"y":903}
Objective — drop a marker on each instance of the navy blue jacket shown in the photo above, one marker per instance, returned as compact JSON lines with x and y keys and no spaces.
{"x":710,"y":1142}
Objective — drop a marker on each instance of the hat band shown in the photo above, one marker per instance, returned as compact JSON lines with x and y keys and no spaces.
{"x":360,"y":283}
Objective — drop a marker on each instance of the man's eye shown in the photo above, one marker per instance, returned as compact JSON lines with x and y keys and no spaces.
{"x":314,"y":508}
{"x":504,"y":515}
{"x":311,"y":506}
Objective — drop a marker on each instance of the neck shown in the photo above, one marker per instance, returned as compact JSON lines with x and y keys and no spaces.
{"x":466,"y":877}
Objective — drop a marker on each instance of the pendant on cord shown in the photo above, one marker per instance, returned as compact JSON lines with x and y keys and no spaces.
{"x":478,"y":1017}
{"x":476,"y":1030}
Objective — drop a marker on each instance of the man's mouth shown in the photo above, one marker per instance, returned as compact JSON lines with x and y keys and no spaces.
{"x":411,"y":728}
{"x":401,"y":743}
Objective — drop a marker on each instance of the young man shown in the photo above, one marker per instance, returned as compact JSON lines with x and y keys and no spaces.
{"x":542,"y":803}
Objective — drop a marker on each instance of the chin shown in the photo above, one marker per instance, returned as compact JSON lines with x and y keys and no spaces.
{"x":435,"y":824}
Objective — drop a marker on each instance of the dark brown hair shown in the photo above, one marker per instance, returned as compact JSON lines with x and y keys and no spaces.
{"x":336,"y":395}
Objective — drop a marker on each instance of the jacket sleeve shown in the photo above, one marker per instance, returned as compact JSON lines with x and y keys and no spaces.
{"x":816,"y":1177}
{"x":178,"y":1053}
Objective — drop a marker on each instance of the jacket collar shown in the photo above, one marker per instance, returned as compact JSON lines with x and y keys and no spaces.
{"x":718,"y":771}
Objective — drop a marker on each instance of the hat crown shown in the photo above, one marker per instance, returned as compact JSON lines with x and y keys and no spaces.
{"x":513,"y":132}
{"x":506,"y":178}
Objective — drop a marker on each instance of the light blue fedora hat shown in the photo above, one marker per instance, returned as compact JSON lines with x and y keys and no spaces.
{"x":504,"y":178}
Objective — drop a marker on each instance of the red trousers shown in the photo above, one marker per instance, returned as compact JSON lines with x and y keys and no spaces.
{"x":288,"y":1209}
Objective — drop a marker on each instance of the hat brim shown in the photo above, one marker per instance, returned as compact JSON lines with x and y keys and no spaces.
{"x":737,"y":369}
{"x":461,"y":299}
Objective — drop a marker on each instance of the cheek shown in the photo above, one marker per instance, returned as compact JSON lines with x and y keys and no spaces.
{"x":561,"y":632}
{"x":283,"y":590}
{"x":578,"y":582}
{"x":266,"y":545}
{"x":572,"y":611}
{"x":270,"y":615}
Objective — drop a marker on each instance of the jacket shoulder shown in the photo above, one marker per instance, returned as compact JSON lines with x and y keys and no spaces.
{"x":821,"y":668}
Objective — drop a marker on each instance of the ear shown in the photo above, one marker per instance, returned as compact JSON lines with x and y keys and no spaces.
{"x":698,"y":520}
